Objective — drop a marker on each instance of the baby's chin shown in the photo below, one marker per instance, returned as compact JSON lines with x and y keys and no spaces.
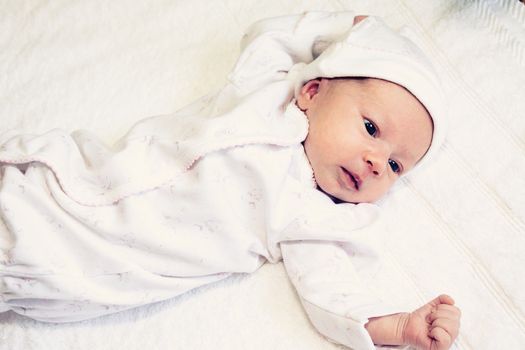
{"x":337,"y":198}
{"x":349,"y":197}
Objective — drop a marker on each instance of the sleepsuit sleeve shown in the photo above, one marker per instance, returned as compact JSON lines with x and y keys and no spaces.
{"x":328,"y":277}
{"x":270,"y":47}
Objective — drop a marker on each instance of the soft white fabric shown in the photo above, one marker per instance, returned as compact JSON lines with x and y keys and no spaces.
{"x":457,"y":228}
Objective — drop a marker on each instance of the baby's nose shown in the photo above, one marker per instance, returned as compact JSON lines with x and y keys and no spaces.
{"x":376,"y":167}
{"x":377,"y":160}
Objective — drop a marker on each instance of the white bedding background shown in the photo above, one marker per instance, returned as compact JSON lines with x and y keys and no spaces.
{"x":457,"y":228}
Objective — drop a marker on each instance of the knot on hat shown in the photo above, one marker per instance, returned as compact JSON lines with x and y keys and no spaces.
{"x":374,"y":50}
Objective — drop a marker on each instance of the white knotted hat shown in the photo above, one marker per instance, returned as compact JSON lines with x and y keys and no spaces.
{"x":372,"y":49}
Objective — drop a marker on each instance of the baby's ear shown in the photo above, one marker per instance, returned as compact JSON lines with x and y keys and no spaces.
{"x":307,"y":93}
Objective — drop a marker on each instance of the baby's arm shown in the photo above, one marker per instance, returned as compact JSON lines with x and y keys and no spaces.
{"x":434,"y":326}
{"x":343,"y":309}
{"x":330,"y":287}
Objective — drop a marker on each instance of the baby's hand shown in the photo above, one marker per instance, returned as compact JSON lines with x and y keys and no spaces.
{"x":434,"y":326}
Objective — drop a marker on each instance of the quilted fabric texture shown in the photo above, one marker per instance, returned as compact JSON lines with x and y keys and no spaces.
{"x":457,"y":227}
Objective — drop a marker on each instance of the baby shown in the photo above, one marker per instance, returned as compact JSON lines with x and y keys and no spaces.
{"x":323,"y":112}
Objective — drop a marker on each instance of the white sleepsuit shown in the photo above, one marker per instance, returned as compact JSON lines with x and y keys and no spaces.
{"x":187,"y":199}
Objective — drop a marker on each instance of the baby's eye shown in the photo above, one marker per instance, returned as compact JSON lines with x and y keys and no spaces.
{"x":395,"y":167}
{"x":370,"y":127}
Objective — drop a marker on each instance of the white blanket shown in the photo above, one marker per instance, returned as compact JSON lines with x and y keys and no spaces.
{"x":458,"y":227}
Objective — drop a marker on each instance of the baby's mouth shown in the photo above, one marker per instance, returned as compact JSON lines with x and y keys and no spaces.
{"x":355,"y":179}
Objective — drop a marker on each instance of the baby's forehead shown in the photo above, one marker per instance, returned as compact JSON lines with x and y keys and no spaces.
{"x":397,"y":114}
{"x":370,"y":82}
{"x":367,"y":86}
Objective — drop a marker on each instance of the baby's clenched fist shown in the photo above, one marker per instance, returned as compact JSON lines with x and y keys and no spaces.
{"x":434,"y":326}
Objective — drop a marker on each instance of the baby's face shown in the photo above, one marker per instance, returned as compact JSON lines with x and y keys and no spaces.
{"x":363,"y":135}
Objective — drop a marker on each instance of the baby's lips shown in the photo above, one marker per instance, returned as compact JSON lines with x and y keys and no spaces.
{"x":355,"y":179}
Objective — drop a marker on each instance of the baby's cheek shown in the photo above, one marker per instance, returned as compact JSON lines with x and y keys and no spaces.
{"x":378,"y":190}
{"x":394,"y":185}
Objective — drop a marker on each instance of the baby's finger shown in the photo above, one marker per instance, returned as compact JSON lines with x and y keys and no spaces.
{"x":358,"y":19}
{"x":442,"y":338}
{"x":442,"y":299}
{"x":449,"y":307}
{"x":446,"y":299}
{"x":451,"y":327}
{"x":450,"y":314}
